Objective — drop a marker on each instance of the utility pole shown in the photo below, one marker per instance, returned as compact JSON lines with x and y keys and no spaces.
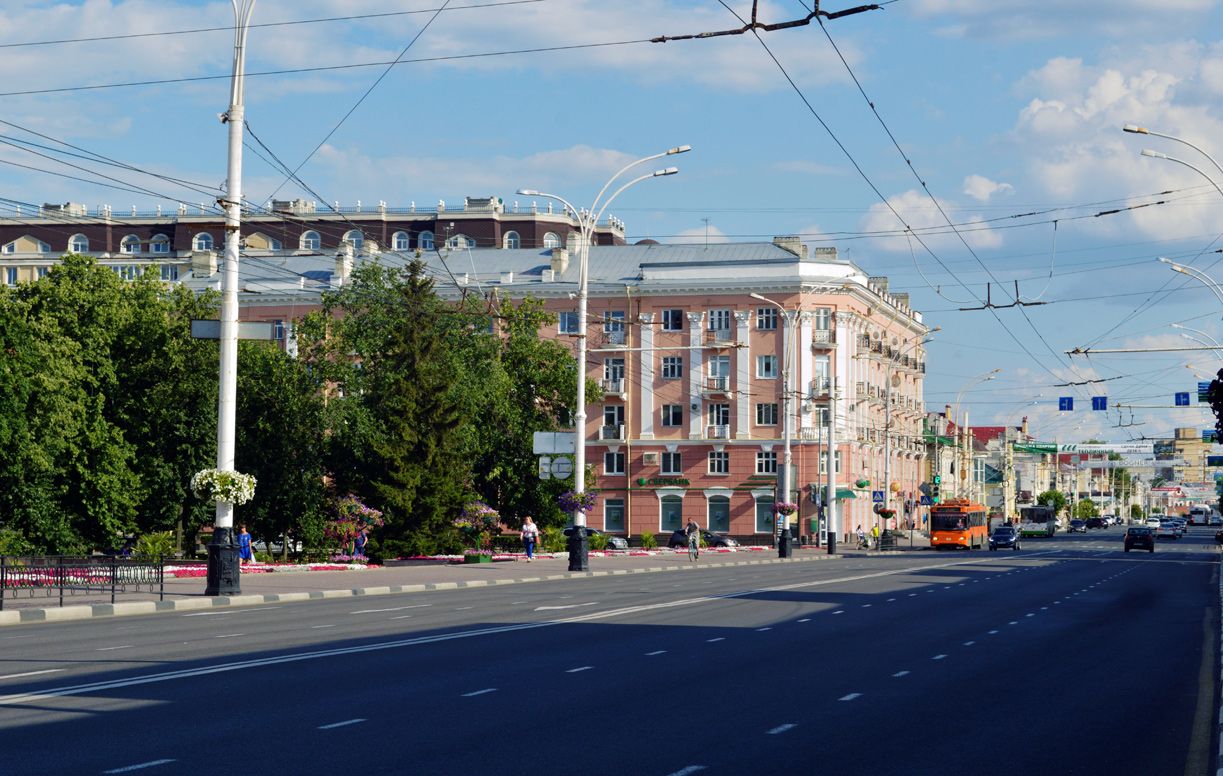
{"x":223,"y":567}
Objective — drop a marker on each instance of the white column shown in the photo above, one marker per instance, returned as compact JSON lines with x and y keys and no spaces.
{"x":806,"y":362}
{"x":743,"y":378}
{"x":646,"y":338}
{"x":696,"y":335}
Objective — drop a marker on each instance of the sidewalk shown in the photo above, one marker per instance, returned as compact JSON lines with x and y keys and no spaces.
{"x":280,"y":586}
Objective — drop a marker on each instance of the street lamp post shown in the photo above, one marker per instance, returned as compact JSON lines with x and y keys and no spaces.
{"x":223,"y":566}
{"x":579,"y":547}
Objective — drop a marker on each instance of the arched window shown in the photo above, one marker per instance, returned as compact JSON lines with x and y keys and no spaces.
{"x":552,"y":240}
{"x":311,"y":241}
{"x":401,"y":241}
{"x":78,"y":244}
{"x":354,"y":238}
{"x":460,"y":241}
{"x":159,"y":244}
{"x":511,"y":241}
{"x":424,"y":241}
{"x":202,"y":242}
{"x":130,"y":244}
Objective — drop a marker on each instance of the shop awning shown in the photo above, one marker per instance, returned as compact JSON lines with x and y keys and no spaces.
{"x":845,"y":493}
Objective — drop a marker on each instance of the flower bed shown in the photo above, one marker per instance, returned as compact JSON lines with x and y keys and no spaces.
{"x":186,"y":572}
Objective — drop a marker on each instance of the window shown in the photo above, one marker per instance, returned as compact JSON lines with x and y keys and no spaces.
{"x":766,"y":318}
{"x":672,"y":367}
{"x":169,"y":272}
{"x":78,"y":244}
{"x":822,"y":319}
{"x":42,"y":272}
{"x":10,"y":248}
{"x":424,"y":241}
{"x":672,"y":508}
{"x":766,"y":414}
{"x":671,"y":464}
{"x":766,"y":463}
{"x":552,"y":240}
{"x":823,"y":373}
{"x":202,"y":242}
{"x":354,"y":238}
{"x":824,"y":462}
{"x":613,"y":320}
{"x":719,"y":463}
{"x":613,"y":369}
{"x":511,"y":241}
{"x":569,"y":323}
{"x":159,"y":244}
{"x":613,"y":514}
{"x":130,"y":244}
{"x":311,"y":241}
{"x":764,"y":515}
{"x":613,"y":415}
{"x":719,"y":414}
{"x":672,"y":320}
{"x":401,"y":241}
{"x":613,"y":463}
{"x":460,"y":242}
{"x":672,"y":415}
{"x":719,"y":320}
{"x":719,"y":513}
{"x":11,"y":276}
{"x":278,"y":330}
{"x":719,"y":366}
{"x":766,"y":367}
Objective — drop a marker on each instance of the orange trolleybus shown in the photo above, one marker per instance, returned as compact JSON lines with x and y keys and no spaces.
{"x":959,"y":523}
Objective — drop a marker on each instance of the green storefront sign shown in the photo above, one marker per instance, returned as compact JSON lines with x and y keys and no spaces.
{"x":663,"y":482}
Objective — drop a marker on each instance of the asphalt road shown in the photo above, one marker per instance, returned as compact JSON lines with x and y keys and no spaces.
{"x":1068,"y":657}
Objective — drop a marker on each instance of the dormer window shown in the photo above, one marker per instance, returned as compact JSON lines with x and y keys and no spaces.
{"x":401,"y":241}
{"x":78,"y":244}
{"x":159,"y":244}
{"x":202,"y":242}
{"x":424,"y":241}
{"x":130,"y":244}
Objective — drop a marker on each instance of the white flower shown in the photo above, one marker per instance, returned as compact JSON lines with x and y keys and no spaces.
{"x":223,"y":486}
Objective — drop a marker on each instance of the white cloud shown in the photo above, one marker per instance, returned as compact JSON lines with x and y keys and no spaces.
{"x":981,"y":188}
{"x":1026,"y":19}
{"x":701,"y":235}
{"x":920,"y":214}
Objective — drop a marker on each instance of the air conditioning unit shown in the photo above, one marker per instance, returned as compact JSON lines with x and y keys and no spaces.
{"x":649,"y":459}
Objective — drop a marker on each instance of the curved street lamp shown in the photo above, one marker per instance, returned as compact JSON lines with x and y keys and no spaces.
{"x":1196,"y":274}
{"x":579,"y":547}
{"x":984,"y":377}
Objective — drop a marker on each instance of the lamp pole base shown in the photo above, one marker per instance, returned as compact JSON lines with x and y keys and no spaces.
{"x":579,"y":550}
{"x":224,"y":569}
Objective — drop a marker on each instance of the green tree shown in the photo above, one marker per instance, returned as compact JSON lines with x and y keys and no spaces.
{"x":1086,"y":508}
{"x":1135,"y":511}
{"x":1052,"y":498}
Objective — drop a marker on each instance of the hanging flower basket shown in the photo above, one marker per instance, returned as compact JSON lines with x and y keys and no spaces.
{"x":223,"y":486}
{"x":477,"y":524}
{"x":784,"y":508}
{"x":578,"y":502}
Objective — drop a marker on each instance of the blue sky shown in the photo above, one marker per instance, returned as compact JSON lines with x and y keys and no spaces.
{"x":1005,"y":108}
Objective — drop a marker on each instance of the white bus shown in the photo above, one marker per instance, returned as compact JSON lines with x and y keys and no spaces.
{"x":1199,"y":515}
{"x":1037,"y":521}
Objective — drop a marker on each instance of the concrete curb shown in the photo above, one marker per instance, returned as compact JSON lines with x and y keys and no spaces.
{"x":69,"y":613}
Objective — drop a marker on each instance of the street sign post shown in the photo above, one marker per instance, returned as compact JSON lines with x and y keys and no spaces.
{"x":204,"y":328}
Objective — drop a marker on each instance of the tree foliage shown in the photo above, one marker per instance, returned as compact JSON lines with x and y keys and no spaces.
{"x":1052,"y":498}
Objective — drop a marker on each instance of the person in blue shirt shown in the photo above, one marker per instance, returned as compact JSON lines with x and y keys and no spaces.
{"x":244,"y":546}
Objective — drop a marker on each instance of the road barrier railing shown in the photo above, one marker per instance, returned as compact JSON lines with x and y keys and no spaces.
{"x":48,"y":575}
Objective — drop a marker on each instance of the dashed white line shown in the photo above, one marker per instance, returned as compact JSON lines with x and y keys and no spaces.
{"x":316,"y":627}
{"x":688,"y":770}
{"x":719,"y":638}
{"x":340,"y":724}
{"x":891,"y":599}
{"x":392,"y":609}
{"x":149,"y":764}
{"x":464,"y":608}
{"x":938,"y":657}
{"x":781,"y":729}
{"x":969,"y":643}
{"x":866,"y":606}
{"x":851,"y":696}
{"x":576,"y":670}
{"x":656,"y":652}
{"x":805,"y":619}
{"x":479,"y":692}
{"x":1031,"y":614}
{"x":33,"y":673}
{"x":229,"y":636}
{"x":1013,"y":623}
{"x":401,"y":617}
{"x":108,"y":649}
{"x":839,"y":611}
{"x":759,"y":630}
{"x":900,"y":674}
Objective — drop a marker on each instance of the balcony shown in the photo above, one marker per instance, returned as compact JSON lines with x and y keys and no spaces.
{"x":819,"y":387}
{"x":610,"y":339}
{"x":717,"y":386}
{"x":864,"y":341}
{"x":719,"y":338}
{"x":823,"y":339}
{"x":615,"y":433}
{"x":616,"y":387}
{"x":717,"y":432}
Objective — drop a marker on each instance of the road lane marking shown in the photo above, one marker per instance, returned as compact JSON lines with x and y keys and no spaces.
{"x":464,"y":608}
{"x":392,"y":609}
{"x":206,"y":614}
{"x":576,"y":670}
{"x":479,"y":692}
{"x":688,"y":770}
{"x":108,"y":649}
{"x":1033,"y":614}
{"x":781,"y":729}
{"x":851,"y":696}
{"x":866,"y":606}
{"x":805,"y":619}
{"x":969,"y":643}
{"x":656,"y":652}
{"x":401,"y":617}
{"x":1013,"y":623}
{"x":710,"y":641}
{"x":891,"y":599}
{"x":33,"y":673}
{"x":229,"y":636}
{"x":566,"y":606}
{"x":340,"y":724}
{"x":900,"y":674}
{"x":842,"y":611}
{"x":149,"y":764}
{"x":760,"y":630}
{"x":315,"y":627}
{"x":938,"y":657}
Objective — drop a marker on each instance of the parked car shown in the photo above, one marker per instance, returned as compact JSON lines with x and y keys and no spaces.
{"x":1004,"y":536}
{"x":1095,"y":522}
{"x":1167,"y":530}
{"x":711,"y":539}
{"x":277,"y":546}
{"x":614,"y":542}
{"x":1141,"y":537}
{"x":1077,"y":525}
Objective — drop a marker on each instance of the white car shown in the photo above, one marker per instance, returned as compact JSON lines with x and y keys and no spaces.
{"x":1167,"y":529}
{"x":1152,"y":523}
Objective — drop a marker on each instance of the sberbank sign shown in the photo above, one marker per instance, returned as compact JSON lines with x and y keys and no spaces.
{"x":663,"y":482}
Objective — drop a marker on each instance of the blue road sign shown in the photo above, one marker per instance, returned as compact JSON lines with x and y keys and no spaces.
{"x":1065,"y":403}
{"x":925,"y":501}
{"x":1099,"y":402}
{"x":877,"y":496}
{"x":1182,"y":399}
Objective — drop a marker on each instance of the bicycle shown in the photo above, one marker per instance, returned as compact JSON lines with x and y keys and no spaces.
{"x":694,"y":549}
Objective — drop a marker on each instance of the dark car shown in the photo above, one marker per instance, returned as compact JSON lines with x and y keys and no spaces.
{"x":1096,"y":522}
{"x":1141,"y":537}
{"x":613,"y":542}
{"x":1004,"y":536}
{"x":680,"y":539}
{"x":1078,"y":525}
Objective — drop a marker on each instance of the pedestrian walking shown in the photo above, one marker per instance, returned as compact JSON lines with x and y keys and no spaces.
{"x":862,"y":545}
{"x":693,"y":532}
{"x":244,"y":546}
{"x":360,"y":541}
{"x":875,"y":535}
{"x":530,"y":535}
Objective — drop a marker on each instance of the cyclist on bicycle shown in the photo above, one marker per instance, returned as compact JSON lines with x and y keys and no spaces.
{"x":693,"y":532}
{"x":862,"y":543}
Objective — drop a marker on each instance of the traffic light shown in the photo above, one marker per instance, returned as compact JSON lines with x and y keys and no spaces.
{"x":934,"y":488}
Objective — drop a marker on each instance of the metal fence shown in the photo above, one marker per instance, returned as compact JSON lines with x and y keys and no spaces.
{"x":46,"y":575}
